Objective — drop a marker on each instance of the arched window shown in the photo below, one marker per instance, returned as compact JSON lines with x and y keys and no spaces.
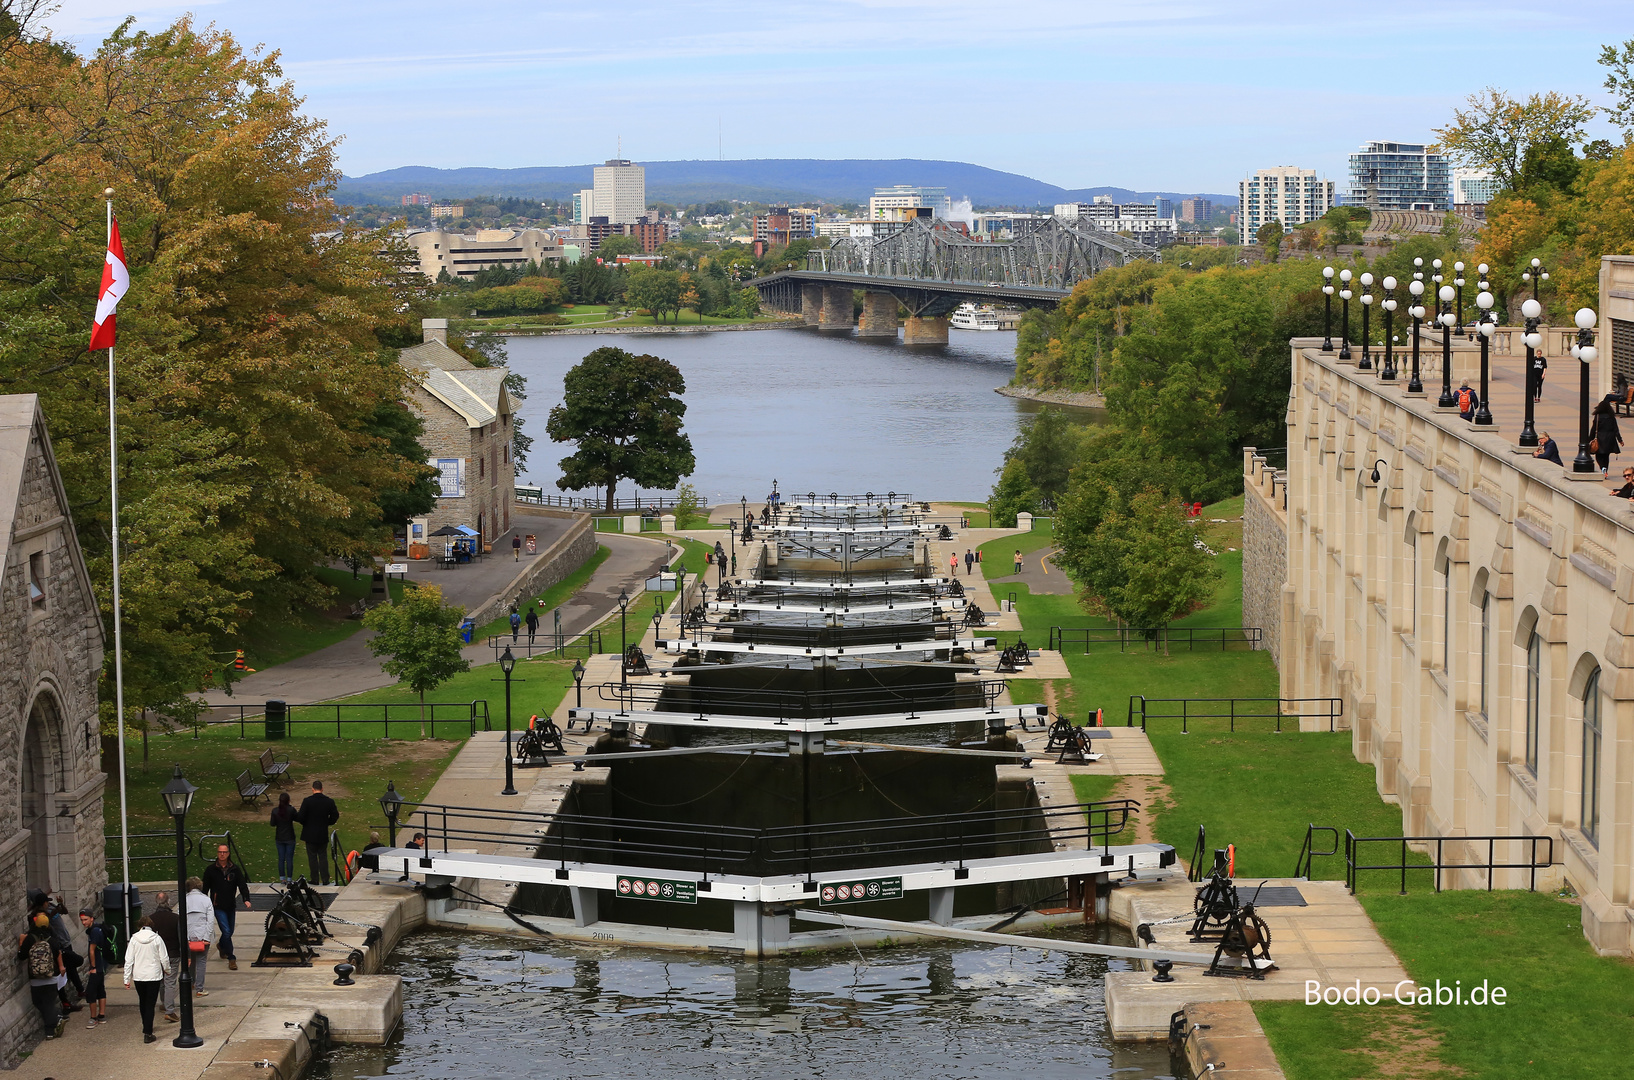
{"x":1534,"y":695}
{"x":1591,"y":759}
{"x":1486,"y":643}
{"x":1446,"y":619}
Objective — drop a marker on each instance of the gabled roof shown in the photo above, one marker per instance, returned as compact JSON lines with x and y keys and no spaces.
{"x":477,"y":394}
{"x":431,"y":355}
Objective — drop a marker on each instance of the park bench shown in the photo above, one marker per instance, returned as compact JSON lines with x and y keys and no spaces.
{"x":273,"y":769}
{"x":249,"y":790}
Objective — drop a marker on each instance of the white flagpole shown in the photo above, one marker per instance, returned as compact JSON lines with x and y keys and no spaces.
{"x":118,"y":633}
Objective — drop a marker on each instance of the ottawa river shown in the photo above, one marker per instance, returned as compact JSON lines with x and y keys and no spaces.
{"x":809,"y":409}
{"x":486,"y":1008}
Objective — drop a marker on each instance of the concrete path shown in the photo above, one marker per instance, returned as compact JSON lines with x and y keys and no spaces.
{"x":1039,"y":573}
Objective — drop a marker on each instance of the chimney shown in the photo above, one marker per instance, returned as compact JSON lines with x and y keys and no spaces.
{"x":435,"y":330}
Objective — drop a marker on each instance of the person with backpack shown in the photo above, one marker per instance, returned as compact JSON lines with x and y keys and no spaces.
{"x":42,"y":962}
{"x":146,"y":964}
{"x":516,"y":622}
{"x":1468,"y":401}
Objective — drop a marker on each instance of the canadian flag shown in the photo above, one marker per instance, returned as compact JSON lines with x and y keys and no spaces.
{"x":115,"y":282}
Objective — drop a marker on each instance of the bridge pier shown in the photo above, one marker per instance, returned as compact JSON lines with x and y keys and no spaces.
{"x":878,"y":315}
{"x":837,"y":308}
{"x":811,"y":303}
{"x":925,"y":330}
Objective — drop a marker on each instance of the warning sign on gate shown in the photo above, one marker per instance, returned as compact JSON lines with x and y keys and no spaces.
{"x":676,"y":892}
{"x":850,"y":892}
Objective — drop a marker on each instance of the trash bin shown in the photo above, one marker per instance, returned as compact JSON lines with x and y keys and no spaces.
{"x":467,"y":628}
{"x":113,"y":913}
{"x":277,"y":720}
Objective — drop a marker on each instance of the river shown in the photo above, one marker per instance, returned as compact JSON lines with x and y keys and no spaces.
{"x":810,"y":409}
{"x":486,"y":1008}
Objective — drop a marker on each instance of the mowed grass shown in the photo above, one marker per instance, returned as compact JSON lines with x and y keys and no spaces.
{"x":545,"y":602}
{"x":269,"y":641}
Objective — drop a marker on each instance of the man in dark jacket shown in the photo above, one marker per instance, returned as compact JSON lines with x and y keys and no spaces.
{"x":317,"y":814}
{"x":168,"y":925}
{"x":223,"y":883}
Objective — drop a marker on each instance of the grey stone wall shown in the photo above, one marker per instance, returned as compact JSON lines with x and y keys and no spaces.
{"x":550,"y":566}
{"x":1265,"y":568}
{"x":490,"y":474}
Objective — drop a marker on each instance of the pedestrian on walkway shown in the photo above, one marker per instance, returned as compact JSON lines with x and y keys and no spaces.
{"x":168,"y":925}
{"x":96,"y":967}
{"x":225,"y":882}
{"x":1468,"y":401}
{"x":201,"y":931}
{"x":953,"y":564}
{"x":145,"y":965}
{"x":516,"y":548}
{"x":317,"y":813}
{"x":1018,"y":561}
{"x":283,"y":835}
{"x":1540,"y":364}
{"x":42,"y":962}
{"x":62,"y":934}
{"x":533,"y":624}
{"x":970,"y":561}
{"x":1605,"y":440}
{"x":516,"y":622}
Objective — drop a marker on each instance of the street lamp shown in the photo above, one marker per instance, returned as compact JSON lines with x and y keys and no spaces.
{"x":1458,"y":280}
{"x":1366,"y":363}
{"x":1445,"y":318}
{"x":1585,"y":353}
{"x":1483,"y":415}
{"x":1327,"y":309}
{"x":391,"y":804}
{"x":1531,"y":309}
{"x":1344,"y":314}
{"x":1535,"y":275}
{"x":623,"y":643}
{"x":1388,"y":374}
{"x":178,"y":797}
{"x":578,"y":684}
{"x":1416,"y":310}
{"x":507,"y":664}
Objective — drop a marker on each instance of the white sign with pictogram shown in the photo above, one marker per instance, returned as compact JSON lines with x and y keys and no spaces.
{"x":850,"y":892}
{"x":676,"y":892}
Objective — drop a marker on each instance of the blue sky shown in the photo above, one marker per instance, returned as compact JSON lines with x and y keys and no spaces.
{"x":1165,"y":94}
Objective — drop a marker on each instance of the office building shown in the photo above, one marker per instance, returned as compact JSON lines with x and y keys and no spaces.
{"x":782,"y":224}
{"x":1284,"y":193}
{"x":1004,"y":225}
{"x":416,"y":199}
{"x":904,"y":201}
{"x":1141,"y":220}
{"x":1196,"y":211}
{"x":447,"y":210}
{"x":1399,"y":176}
{"x":1472,"y":189}
{"x":1165,"y":207}
{"x":463,"y":256}
{"x":584,"y":205}
{"x":620,"y":191}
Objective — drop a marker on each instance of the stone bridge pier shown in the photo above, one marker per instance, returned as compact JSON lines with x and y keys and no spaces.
{"x":837,"y":308}
{"x":925,"y":330}
{"x":878,"y":315}
{"x":811,"y":303}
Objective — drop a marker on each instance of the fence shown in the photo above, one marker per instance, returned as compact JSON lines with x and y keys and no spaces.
{"x":466,"y":716}
{"x":1435,"y":857}
{"x":586,"y":645}
{"x":1302,"y":865}
{"x":533,"y":496}
{"x":160,"y":847}
{"x":1192,"y":637}
{"x":1234,"y":709}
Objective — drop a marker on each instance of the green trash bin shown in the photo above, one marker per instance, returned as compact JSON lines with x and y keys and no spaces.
{"x":277,"y":720}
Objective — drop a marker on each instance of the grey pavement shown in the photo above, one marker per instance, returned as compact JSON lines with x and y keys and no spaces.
{"x":1038,"y":572}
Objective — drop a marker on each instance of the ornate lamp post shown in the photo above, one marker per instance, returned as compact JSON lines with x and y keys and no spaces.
{"x":1483,"y":415}
{"x":1585,"y":353}
{"x":391,"y":804}
{"x":578,"y":684}
{"x":623,"y":642}
{"x":1458,"y":282}
{"x":1327,"y":309}
{"x":1366,"y":363}
{"x":1389,"y":305}
{"x":1344,"y":315}
{"x":1531,"y":309}
{"x":507,"y":664}
{"x":1536,"y":275}
{"x":178,"y":797}
{"x":1416,"y":287}
{"x":1445,"y":319}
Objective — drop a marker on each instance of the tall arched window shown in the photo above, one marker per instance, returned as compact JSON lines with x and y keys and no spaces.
{"x":1591,"y":759}
{"x":1534,"y":695}
{"x":1486,"y":643}
{"x":1446,"y":620}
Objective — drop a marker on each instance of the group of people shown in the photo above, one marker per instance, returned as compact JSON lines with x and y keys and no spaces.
{"x":316,"y":815}
{"x":1605,"y":441}
{"x":973,"y":559}
{"x":517,"y":619}
{"x":46,"y":949}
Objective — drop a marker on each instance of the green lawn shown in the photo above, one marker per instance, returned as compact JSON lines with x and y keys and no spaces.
{"x":269,"y":641}
{"x":547,"y":601}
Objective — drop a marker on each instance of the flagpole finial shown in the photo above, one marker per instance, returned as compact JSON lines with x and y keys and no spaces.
{"x":108,"y":192}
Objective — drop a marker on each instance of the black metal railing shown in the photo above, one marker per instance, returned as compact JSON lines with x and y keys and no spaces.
{"x":1198,"y":852}
{"x":149,"y":847}
{"x":1307,"y":852}
{"x":1234,"y":709}
{"x":911,"y":699}
{"x":1435,"y":857}
{"x":587,"y":644}
{"x":1191,"y":638}
{"x":535,"y":497}
{"x":207,"y":849}
{"x":465,"y":718}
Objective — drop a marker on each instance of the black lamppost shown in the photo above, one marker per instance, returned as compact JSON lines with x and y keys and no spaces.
{"x":578,"y":684}
{"x":1366,"y":363}
{"x":1531,"y":309}
{"x":1344,"y":314}
{"x":1327,"y":309}
{"x":1535,"y":275}
{"x":1584,"y":352}
{"x":1445,"y":318}
{"x":507,"y":664}
{"x":623,"y":643}
{"x":391,"y":804}
{"x":178,"y":797}
{"x":1414,"y":384}
{"x":1389,"y":305}
{"x":1487,"y":323}
{"x":1458,"y":281}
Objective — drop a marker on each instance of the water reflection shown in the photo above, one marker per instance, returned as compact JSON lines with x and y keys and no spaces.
{"x":812,"y":409}
{"x":479,"y":1007}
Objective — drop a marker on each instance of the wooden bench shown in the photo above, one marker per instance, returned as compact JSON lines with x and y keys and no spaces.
{"x":273,"y":769}
{"x":249,"y":790}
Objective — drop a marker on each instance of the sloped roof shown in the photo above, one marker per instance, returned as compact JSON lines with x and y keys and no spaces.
{"x":433,"y":354}
{"x":477,"y":394}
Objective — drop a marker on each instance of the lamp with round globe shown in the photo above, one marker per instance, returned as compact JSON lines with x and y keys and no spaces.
{"x":1327,"y":309}
{"x":1344,"y":314}
{"x":1388,"y":374}
{"x":1585,"y":354}
{"x":1536,"y":275}
{"x":1531,"y":310}
{"x":1458,"y":283}
{"x":1414,"y":384}
{"x":1366,"y":363}
{"x":1485,"y":324}
{"x":1445,"y":317}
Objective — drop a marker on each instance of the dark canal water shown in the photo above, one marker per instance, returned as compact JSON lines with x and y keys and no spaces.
{"x":811,"y":409}
{"x":485,"y":1008}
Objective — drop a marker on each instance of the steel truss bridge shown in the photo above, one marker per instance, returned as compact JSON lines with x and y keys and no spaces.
{"x":932,"y":268}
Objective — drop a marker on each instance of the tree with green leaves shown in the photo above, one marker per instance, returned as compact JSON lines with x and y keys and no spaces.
{"x":611,"y":248}
{"x":624,"y":412}
{"x":1496,"y":131}
{"x":659,"y":291}
{"x":1270,"y":237}
{"x":1619,"y":65}
{"x":419,"y":636}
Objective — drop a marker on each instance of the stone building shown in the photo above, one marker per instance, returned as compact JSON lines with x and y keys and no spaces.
{"x":50,"y":658}
{"x":1472,"y":607}
{"x":467,"y":416}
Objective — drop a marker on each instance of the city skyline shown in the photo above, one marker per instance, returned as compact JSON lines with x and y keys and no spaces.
{"x":707,"y":80}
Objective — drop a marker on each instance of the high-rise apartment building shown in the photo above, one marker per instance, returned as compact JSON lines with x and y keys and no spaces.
{"x":620,"y":191}
{"x":783,"y":224}
{"x":1144,"y":221}
{"x":1399,"y":176}
{"x":1474,"y":186}
{"x":584,"y":205}
{"x":1196,"y":211}
{"x":1284,"y":193}
{"x":900,"y":201}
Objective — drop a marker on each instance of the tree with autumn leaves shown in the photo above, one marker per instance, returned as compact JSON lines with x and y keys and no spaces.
{"x":260,"y":410}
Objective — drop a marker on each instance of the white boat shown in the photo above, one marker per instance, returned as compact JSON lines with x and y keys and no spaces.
{"x":971,"y":317}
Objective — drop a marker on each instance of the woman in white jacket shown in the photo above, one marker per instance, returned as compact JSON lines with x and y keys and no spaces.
{"x":146,"y":963}
{"x":201,"y":926}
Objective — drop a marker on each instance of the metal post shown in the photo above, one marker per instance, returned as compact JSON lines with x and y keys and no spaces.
{"x":1585,"y":353}
{"x":1344,"y":315}
{"x":1327,"y":309}
{"x":1445,"y":311}
{"x":186,"y":1038}
{"x":1366,"y":363}
{"x":1529,"y":435}
{"x":1388,"y":374}
{"x":1483,"y":415}
{"x":506,"y":663}
{"x":1414,"y":384}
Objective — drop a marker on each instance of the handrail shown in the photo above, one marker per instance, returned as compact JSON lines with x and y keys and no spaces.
{"x":232,"y":849}
{"x":1195,"y":871}
{"x":470,"y":712}
{"x":1124,"y":636}
{"x":545,"y":644}
{"x":1439,"y":862}
{"x":1302,"y":865}
{"x":189,"y":846}
{"x":1233,"y":709}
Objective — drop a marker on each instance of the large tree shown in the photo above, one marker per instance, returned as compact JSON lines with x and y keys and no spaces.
{"x":1496,"y":131}
{"x":419,"y":637}
{"x":624,"y":413}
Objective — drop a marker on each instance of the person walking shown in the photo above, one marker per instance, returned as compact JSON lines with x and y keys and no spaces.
{"x":201,"y":931}
{"x":1468,"y":401}
{"x":1540,"y":364}
{"x":953,"y":565}
{"x":96,"y":968}
{"x":1605,"y":439}
{"x":970,"y":561}
{"x":283,"y":835}
{"x":42,"y":962}
{"x":317,"y":813}
{"x":146,"y":965}
{"x":168,"y":926}
{"x":224,"y":881}
{"x":516,"y":548}
{"x":516,"y":622}
{"x":533,"y":624}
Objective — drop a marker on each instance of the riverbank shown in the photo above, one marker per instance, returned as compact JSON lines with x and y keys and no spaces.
{"x":614,"y":328}
{"x":1072,"y":399}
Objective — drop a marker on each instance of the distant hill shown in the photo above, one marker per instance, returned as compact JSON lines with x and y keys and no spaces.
{"x":769,"y":180}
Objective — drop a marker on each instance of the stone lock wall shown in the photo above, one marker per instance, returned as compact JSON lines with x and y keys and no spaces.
{"x":1265,"y":550}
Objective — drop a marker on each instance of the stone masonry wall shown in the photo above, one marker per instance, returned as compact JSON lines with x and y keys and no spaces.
{"x":1265,"y":556}
{"x":490,"y":475}
{"x":548,"y":567}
